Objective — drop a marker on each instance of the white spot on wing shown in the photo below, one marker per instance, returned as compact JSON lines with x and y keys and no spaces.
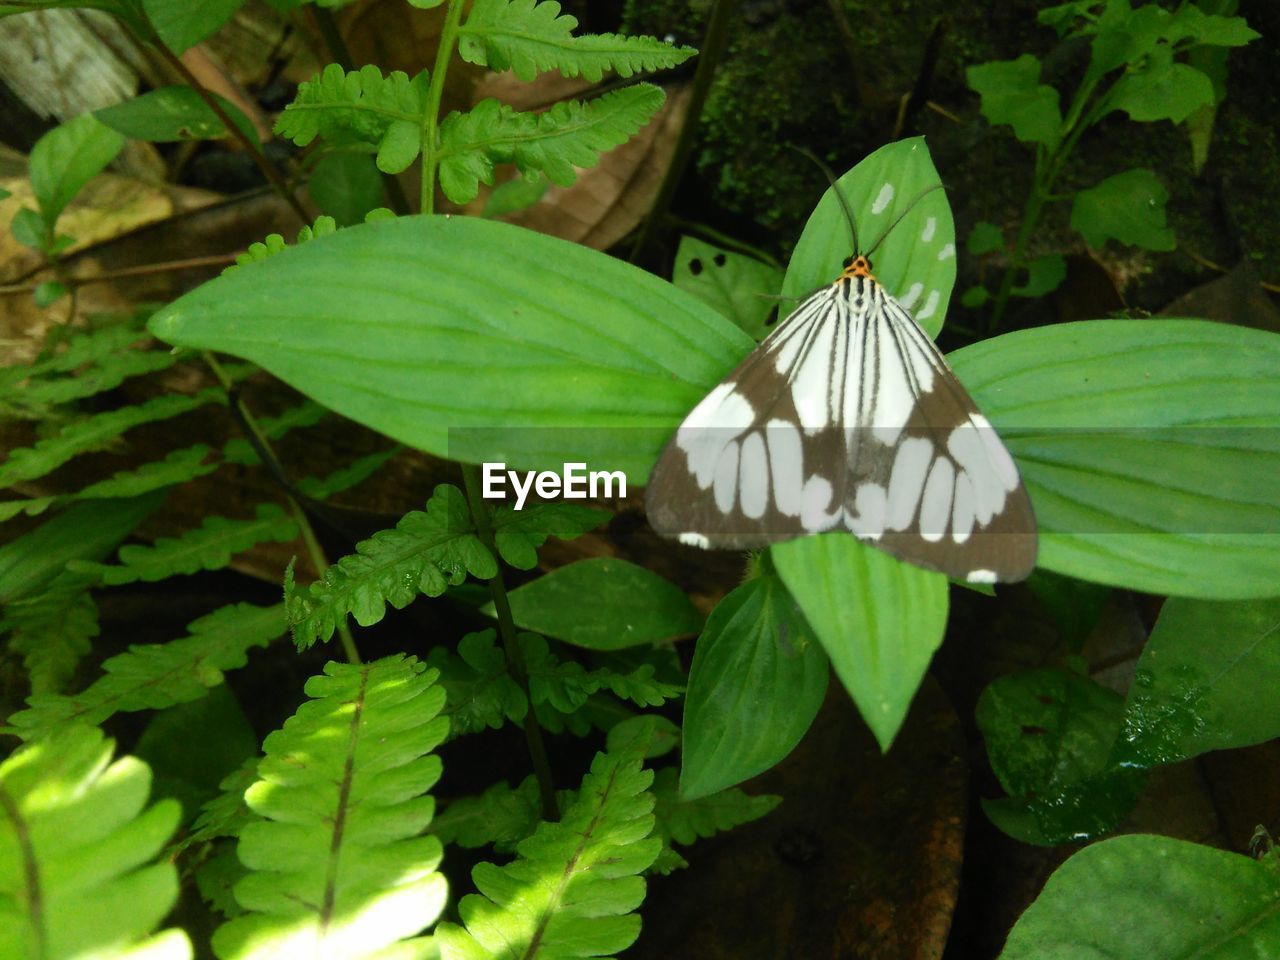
{"x":694,"y":540}
{"x":947,"y":252}
{"x":1004,"y":466}
{"x":867,"y":518}
{"x":935,"y":505}
{"x":883,"y":199}
{"x":930,"y":306}
{"x":981,"y":576}
{"x":813,"y":505}
{"x":930,"y":227}
{"x":710,"y":427}
{"x":786,"y":465}
{"x":811,"y":383}
{"x":726,"y":478}
{"x":753,"y":476}
{"x":906,"y":481}
{"x":962,"y":511}
{"x":912,"y":295}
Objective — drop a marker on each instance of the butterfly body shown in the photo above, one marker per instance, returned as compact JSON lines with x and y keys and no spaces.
{"x":847,"y":417}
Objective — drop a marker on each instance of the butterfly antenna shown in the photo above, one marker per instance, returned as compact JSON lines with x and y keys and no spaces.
{"x":897,"y":220}
{"x":831,"y":179}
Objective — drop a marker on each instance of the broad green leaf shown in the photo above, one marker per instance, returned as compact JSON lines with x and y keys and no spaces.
{"x":1049,"y":735}
{"x":1012,"y":93}
{"x":28,"y":228}
{"x":757,"y":680}
{"x":402,"y":326}
{"x":1044,"y":274}
{"x":1191,"y":23}
{"x":1150,"y":449}
{"x":346,"y":186}
{"x":81,"y":870}
{"x":1139,"y":897}
{"x":739,"y":286}
{"x":1206,"y":681}
{"x":916,"y":262}
{"x":879,"y":620}
{"x":88,"y":531}
{"x":604,"y":603}
{"x":1161,"y":90}
{"x":173,"y":113}
{"x":1128,"y":207}
{"x":182,"y":24}
{"x":66,"y":158}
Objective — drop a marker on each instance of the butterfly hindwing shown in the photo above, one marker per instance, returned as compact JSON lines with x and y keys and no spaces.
{"x":847,"y":417}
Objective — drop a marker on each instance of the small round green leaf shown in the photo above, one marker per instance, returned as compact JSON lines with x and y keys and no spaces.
{"x":1128,"y":207}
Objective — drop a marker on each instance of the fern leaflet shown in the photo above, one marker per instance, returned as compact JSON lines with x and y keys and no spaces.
{"x":571,"y":134}
{"x":502,"y":815}
{"x":208,"y":548}
{"x":528,"y":37}
{"x":305,"y":414}
{"x":154,"y":676}
{"x":479,"y":691}
{"x":81,"y":347}
{"x":53,"y":631}
{"x":95,"y":433}
{"x":684,"y":821}
{"x":574,"y":885}
{"x":360,"y":107}
{"x":79,"y":874}
{"x":519,"y":533}
{"x":347,"y":477}
{"x":338,"y":863}
{"x":425,"y":553}
{"x":274,"y":243}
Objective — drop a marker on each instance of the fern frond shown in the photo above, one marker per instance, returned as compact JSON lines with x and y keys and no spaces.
{"x":275,"y":243}
{"x":107,"y":374}
{"x":154,"y":676}
{"x":338,"y":863}
{"x":79,"y":349}
{"x":640,"y":686}
{"x":180,"y":466}
{"x":571,"y":134}
{"x":96,"y":433}
{"x":573,"y":888}
{"x":501,"y":816}
{"x":361,"y":107}
{"x":226,"y":814}
{"x":685,"y":821}
{"x":425,"y":553}
{"x":79,"y":874}
{"x":210,"y":547}
{"x":52,"y":631}
{"x":479,"y":691}
{"x":519,"y":533}
{"x":305,"y":414}
{"x":528,"y":37}
{"x":347,"y":477}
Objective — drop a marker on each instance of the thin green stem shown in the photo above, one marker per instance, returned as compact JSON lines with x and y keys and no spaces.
{"x":510,"y":644}
{"x":314,"y":550}
{"x":431,"y":118}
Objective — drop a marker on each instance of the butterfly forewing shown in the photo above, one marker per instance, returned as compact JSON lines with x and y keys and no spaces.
{"x":847,"y":417}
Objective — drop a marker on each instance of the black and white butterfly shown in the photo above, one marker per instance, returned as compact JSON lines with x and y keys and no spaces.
{"x":847,"y":417}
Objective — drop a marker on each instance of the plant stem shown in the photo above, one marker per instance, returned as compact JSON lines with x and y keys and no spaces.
{"x":431,"y":118}
{"x":268,"y":169}
{"x":214,"y":260}
{"x":507,"y":630}
{"x":309,"y":539}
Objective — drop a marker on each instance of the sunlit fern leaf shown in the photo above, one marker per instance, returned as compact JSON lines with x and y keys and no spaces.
{"x":530,"y":37}
{"x":685,"y":821}
{"x":519,"y":533}
{"x":574,"y":886}
{"x":274,"y":243}
{"x":154,"y":676}
{"x":426,"y":552}
{"x":52,"y":631}
{"x":210,"y":547}
{"x":339,"y":865}
{"x":79,"y":875}
{"x":571,"y":134}
{"x":360,"y":107}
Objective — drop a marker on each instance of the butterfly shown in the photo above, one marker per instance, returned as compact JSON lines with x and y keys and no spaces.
{"x":847,"y":417}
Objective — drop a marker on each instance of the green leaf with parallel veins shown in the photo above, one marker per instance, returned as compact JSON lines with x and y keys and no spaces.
{"x":1206,"y":681}
{"x":878,"y":619}
{"x":171,"y":114}
{"x":631,"y":605}
{"x":757,"y":680}
{"x":739,"y":286}
{"x":1137,"y":897}
{"x":1150,"y":449}
{"x":1012,"y":93}
{"x":407,"y":332}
